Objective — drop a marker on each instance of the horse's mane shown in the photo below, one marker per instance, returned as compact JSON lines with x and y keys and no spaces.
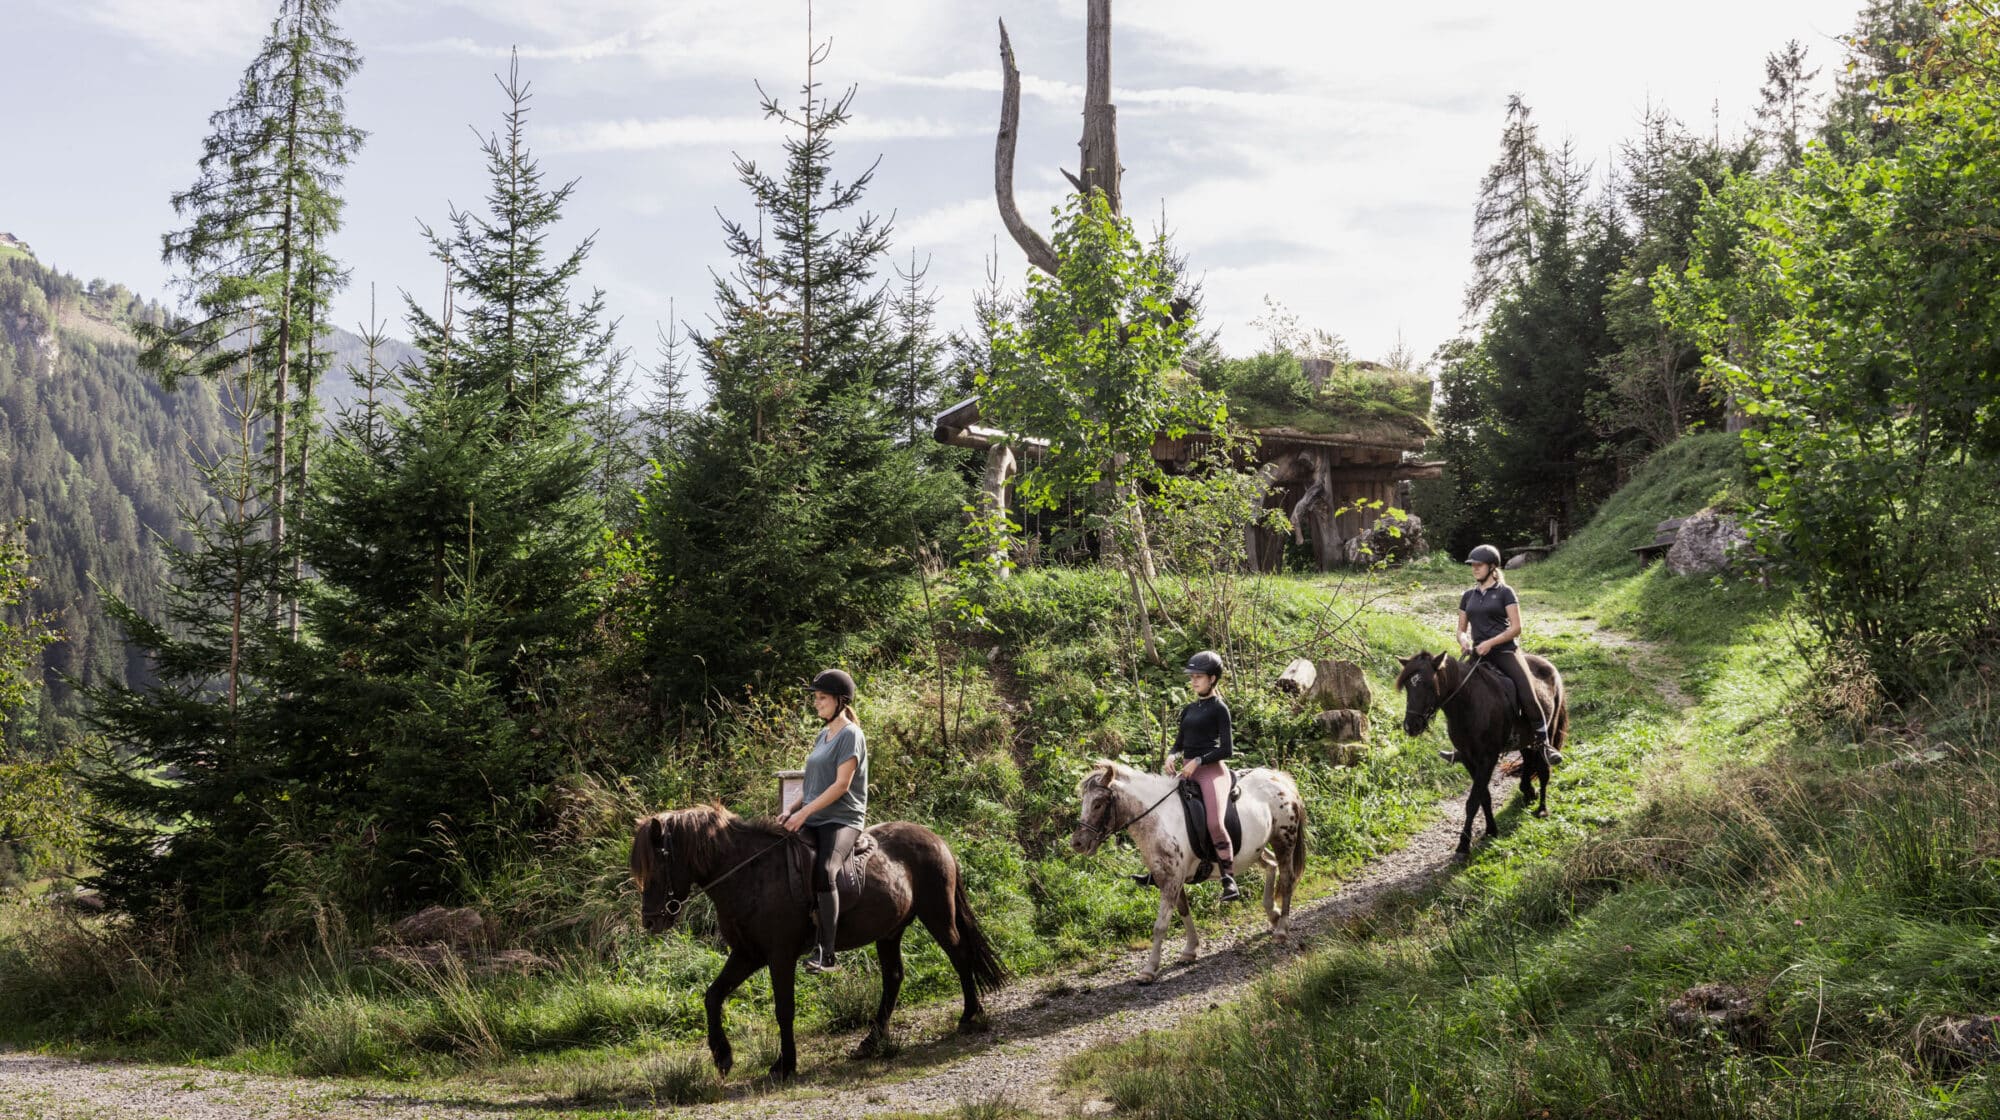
{"x":697,"y":834}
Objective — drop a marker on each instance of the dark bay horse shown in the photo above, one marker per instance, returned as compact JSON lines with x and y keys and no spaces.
{"x":1480,"y":717}
{"x":761,"y":906}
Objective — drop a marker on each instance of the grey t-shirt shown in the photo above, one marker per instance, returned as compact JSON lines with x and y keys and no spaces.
{"x":823,"y":769}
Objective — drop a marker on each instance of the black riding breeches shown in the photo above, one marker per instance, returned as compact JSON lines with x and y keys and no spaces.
{"x":1513,"y":663}
{"x":832,"y":844}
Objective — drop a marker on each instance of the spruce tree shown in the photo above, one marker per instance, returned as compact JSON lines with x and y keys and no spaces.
{"x":1546,"y":342}
{"x":1503,"y":222}
{"x":1787,"y":104}
{"x":1882,"y":51}
{"x":254,"y":260}
{"x":458,"y":535}
{"x":788,"y":518}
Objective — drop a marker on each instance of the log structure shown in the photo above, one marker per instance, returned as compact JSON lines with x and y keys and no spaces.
{"x":1316,"y":479}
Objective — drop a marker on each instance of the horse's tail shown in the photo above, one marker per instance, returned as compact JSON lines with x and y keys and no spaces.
{"x":981,"y":961}
{"x":1298,"y":853}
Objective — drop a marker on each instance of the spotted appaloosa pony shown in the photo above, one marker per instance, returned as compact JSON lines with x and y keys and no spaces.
{"x":1480,"y":716}
{"x":1116,"y":797}
{"x":745,"y":869}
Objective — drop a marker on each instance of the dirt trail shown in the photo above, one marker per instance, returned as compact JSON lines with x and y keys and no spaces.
{"x":1038,"y":1024}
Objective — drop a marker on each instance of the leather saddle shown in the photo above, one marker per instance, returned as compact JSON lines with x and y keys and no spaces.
{"x":849,"y":881}
{"x":1196,"y":813}
{"x":1520,"y":732}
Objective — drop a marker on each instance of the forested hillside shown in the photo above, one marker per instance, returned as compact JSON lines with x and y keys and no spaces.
{"x":97,"y":453}
{"x":103,"y":458}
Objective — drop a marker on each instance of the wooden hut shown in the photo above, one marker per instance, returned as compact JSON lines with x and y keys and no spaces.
{"x":1314,"y":475}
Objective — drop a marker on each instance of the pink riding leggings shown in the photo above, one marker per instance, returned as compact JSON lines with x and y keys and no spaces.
{"x":1213,"y":778}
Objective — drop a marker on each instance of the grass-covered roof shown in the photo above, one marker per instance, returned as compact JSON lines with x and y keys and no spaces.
{"x":1358,"y":401}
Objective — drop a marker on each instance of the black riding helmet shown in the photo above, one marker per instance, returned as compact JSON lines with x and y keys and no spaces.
{"x":834,"y":683}
{"x":1484,"y":554}
{"x":1207,"y":662}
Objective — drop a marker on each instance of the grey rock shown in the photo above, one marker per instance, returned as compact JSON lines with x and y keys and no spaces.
{"x":1705,"y":543}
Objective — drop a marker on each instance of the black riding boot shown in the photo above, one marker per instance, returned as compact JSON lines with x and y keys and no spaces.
{"x":829,"y":924}
{"x":1229,"y":891}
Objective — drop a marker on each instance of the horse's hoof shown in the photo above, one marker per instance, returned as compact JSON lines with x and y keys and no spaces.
{"x":1542,"y":813}
{"x":783,"y":1071}
{"x":723,"y":1062}
{"x":974,"y":1023}
{"x":1144,"y":978}
{"x":1186,"y":958}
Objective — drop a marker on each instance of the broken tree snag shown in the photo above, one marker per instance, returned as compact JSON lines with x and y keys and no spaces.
{"x":1040,"y":253}
{"x":1099,"y":146}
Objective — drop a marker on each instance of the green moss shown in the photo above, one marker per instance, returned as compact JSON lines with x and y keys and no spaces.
{"x":1362,"y":403}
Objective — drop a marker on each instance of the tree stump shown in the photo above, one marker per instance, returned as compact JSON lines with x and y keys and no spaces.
{"x":1298,"y":677}
{"x":1342,"y":725}
{"x":1340,"y":684}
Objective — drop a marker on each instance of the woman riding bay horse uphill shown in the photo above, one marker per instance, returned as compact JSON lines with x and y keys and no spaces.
{"x":1489,"y":621}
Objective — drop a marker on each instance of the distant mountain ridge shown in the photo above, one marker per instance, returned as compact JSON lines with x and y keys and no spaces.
{"x":98,"y":454}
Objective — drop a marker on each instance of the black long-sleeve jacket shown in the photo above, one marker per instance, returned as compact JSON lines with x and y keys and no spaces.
{"x":1204,"y":731}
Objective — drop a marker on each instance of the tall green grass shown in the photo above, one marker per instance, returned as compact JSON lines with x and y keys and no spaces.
{"x":1025,"y":709}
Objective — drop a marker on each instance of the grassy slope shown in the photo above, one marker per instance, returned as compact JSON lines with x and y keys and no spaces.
{"x":1853,"y":905}
{"x":620,"y":1012}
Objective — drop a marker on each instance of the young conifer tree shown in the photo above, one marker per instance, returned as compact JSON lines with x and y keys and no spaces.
{"x":457,"y":537}
{"x":254,"y":260}
{"x":787,"y":517}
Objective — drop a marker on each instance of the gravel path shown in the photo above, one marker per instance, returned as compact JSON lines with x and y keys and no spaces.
{"x":1038,"y":1024}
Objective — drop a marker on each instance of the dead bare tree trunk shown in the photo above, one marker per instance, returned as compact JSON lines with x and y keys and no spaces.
{"x":1097,"y":151}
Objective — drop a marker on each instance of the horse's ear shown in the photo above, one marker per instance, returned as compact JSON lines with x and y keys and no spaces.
{"x":1405,"y":661}
{"x":1438,"y":661}
{"x":656,"y":831}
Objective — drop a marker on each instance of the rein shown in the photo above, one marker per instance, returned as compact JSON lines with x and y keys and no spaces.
{"x":1470,"y":666}
{"x":676,"y":905}
{"x":1105,"y":833}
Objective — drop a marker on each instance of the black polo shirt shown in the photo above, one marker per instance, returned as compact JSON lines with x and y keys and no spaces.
{"x":1486,"y":611}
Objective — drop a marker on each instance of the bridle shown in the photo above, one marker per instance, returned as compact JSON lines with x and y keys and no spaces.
{"x":1470,"y":667}
{"x":663,"y":852}
{"x":1111,"y":803}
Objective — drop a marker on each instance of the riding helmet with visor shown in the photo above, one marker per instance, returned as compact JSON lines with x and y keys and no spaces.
{"x":1207,"y":662}
{"x":1484,"y":554}
{"x":834,"y":683}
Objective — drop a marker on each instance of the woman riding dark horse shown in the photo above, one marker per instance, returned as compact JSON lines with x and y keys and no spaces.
{"x":1489,"y":621}
{"x":1483,"y":715}
{"x":746,"y":868}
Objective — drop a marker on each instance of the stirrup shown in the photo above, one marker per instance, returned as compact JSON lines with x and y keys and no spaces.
{"x":1229,"y":891}
{"x":1448,"y":756}
{"x":822,"y":962}
{"x":1145,"y":880}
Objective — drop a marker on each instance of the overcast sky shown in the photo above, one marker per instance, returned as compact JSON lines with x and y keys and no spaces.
{"x":1325,"y":154}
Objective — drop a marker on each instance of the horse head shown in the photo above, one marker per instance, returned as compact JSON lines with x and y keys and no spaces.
{"x":660,"y":871}
{"x":1422,"y":677}
{"x":1098,"y":797}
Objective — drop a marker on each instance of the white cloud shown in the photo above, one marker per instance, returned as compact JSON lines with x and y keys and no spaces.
{"x":187,"y":28}
{"x":681,"y":132}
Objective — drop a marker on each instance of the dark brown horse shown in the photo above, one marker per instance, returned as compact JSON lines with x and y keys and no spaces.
{"x":754,"y":874}
{"x":1479,"y":715}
